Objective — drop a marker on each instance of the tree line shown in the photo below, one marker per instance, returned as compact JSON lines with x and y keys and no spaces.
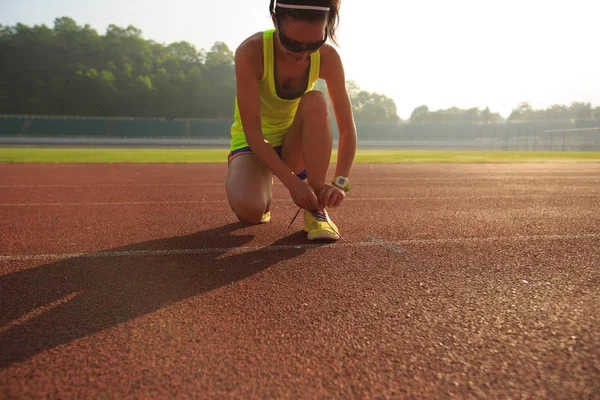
{"x":523,"y":112}
{"x":576,"y":110}
{"x":73,"y":70}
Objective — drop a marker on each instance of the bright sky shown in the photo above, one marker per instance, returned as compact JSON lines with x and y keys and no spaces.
{"x":465,"y":53}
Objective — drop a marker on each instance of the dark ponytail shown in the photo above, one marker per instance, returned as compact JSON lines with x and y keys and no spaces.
{"x":311,"y":15}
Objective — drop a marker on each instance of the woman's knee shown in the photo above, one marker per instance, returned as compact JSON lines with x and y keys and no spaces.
{"x":248,"y":212}
{"x":248,"y":203}
{"x":248,"y":186}
{"x":314,"y":104}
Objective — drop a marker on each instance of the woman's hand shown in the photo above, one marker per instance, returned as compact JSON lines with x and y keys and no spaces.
{"x":331,"y":196}
{"x":304,"y":196}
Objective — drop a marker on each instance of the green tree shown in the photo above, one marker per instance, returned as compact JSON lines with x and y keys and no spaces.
{"x":422,"y":114}
{"x":486,"y":115}
{"x":374,"y":108}
{"x":220,"y":75}
{"x":554,"y":112}
{"x":523,"y":112}
{"x":471,"y":115}
{"x":419,"y":114}
{"x":490,"y":117}
{"x":366,"y":107}
{"x":576,"y":110}
{"x":580,"y":110}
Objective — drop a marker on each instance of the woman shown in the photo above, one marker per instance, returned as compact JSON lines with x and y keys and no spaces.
{"x":282,"y":126}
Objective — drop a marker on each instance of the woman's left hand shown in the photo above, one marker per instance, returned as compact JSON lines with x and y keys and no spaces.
{"x":331,"y":196}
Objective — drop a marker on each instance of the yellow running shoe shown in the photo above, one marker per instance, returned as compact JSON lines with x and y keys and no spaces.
{"x":319,"y":226}
{"x":266,"y":217}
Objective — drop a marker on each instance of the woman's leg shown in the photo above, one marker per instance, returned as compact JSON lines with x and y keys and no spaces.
{"x":309,"y":140}
{"x":249,"y":188}
{"x":308,"y":146}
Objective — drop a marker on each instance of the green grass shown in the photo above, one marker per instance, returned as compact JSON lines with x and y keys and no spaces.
{"x":96,"y":155}
{"x":451,"y":156}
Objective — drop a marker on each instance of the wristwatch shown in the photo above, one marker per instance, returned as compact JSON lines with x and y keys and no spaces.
{"x":342,"y":182}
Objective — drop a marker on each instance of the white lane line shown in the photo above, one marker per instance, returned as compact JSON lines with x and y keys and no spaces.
{"x":36,"y":312}
{"x":247,"y":249}
{"x":384,"y":244}
{"x":140,"y":203}
{"x":398,"y":180}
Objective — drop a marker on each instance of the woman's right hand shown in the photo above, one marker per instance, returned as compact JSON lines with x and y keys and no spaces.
{"x":304,"y":196}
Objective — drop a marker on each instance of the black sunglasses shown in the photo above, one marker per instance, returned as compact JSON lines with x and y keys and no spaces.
{"x":293,"y":46}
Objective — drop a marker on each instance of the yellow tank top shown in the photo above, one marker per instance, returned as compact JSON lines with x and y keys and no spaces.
{"x":277,"y":114}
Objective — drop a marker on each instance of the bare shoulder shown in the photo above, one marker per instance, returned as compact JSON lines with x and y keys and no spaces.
{"x":251,"y":42}
{"x":331,"y":62}
{"x":249,"y":53}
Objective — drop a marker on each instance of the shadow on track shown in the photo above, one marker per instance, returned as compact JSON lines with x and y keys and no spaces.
{"x":88,"y":294}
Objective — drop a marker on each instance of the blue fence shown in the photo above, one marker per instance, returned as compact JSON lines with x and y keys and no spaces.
{"x":573,"y":135}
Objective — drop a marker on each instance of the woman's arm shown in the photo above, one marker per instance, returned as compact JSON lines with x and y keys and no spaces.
{"x":248,"y":71}
{"x":332,"y":71}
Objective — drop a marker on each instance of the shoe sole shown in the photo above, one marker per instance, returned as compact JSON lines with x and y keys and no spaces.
{"x":265,"y":220}
{"x":324,"y":236}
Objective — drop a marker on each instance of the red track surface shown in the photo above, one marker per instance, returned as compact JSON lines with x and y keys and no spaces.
{"x":466,"y":280}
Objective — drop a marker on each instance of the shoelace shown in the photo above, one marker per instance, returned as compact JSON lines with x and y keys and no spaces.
{"x":321,"y":216}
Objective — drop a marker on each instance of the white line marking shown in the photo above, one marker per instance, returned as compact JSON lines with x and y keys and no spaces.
{"x":248,"y":249}
{"x":361,"y":181}
{"x":384,"y":244}
{"x":36,"y":312}
{"x":141,"y":203}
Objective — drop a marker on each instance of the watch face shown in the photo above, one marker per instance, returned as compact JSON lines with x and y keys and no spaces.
{"x":341,"y":181}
